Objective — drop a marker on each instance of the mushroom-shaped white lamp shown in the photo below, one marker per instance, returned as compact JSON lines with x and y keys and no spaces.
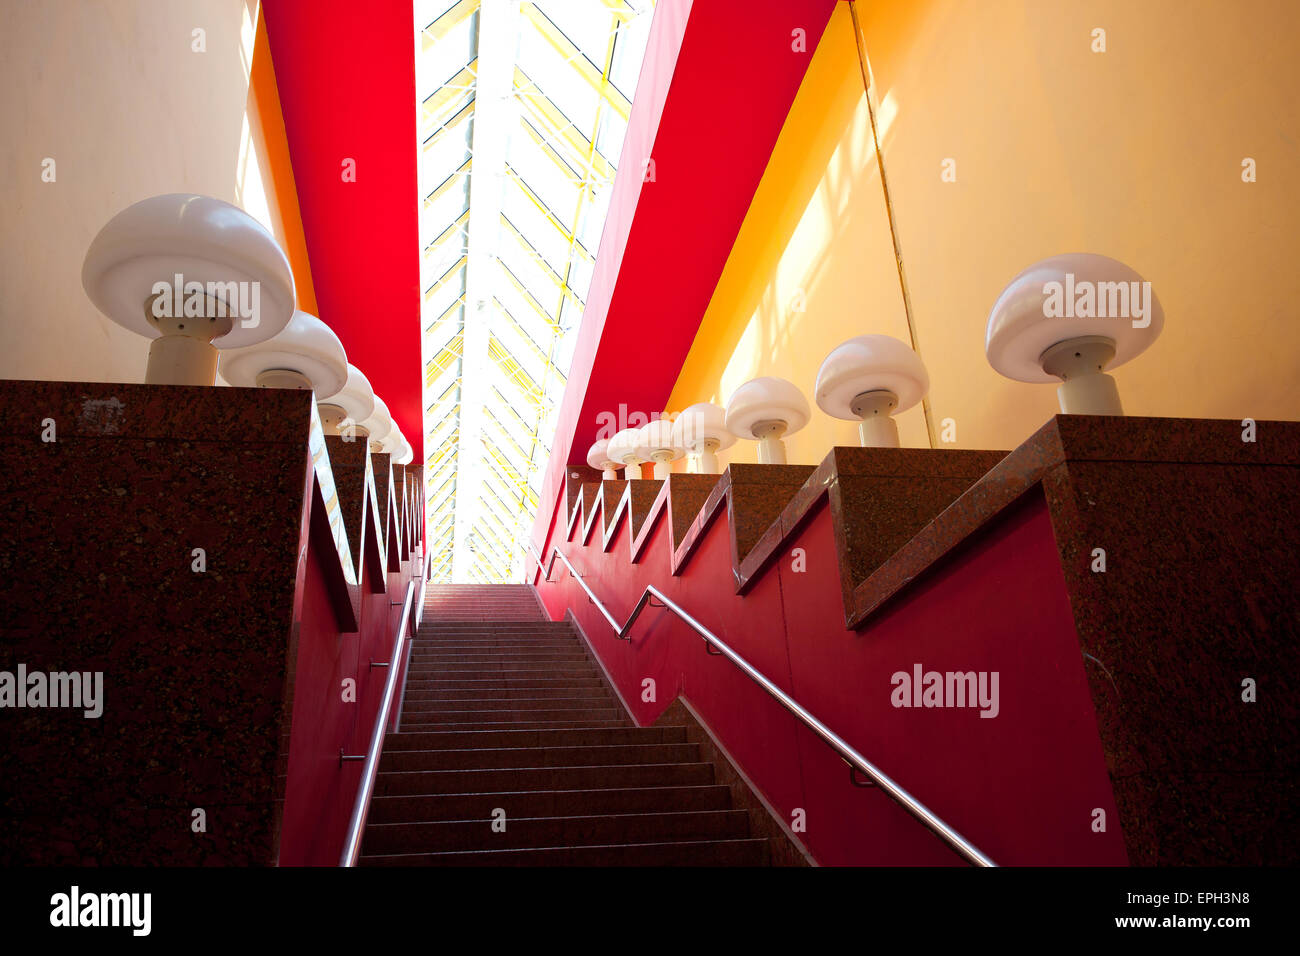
{"x":767,"y":409}
{"x":871,"y":378}
{"x":348,"y":407}
{"x":194,"y":274}
{"x":656,"y":444}
{"x":702,"y":430}
{"x":390,"y":443}
{"x":624,"y":447}
{"x":378,"y":425}
{"x":403,"y":454}
{"x":1068,"y":319}
{"x":598,"y":457}
{"x":306,"y":355}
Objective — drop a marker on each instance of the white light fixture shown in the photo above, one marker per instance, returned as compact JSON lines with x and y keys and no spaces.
{"x":870,"y":379}
{"x":598,"y":457}
{"x":194,"y":274}
{"x":1068,"y":319}
{"x":349,"y":406}
{"x":623,"y":447}
{"x":390,"y":443}
{"x":702,"y":430}
{"x":403,"y":454}
{"x":305,"y":355}
{"x":378,"y":425}
{"x":655,"y":443}
{"x":767,"y":409}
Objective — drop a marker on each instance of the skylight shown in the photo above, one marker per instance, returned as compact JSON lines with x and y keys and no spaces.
{"x":522,"y":108}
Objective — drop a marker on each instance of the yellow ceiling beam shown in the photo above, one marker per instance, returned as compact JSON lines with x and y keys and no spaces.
{"x":444,"y":358}
{"x":456,"y":178}
{"x":551,"y":321}
{"x":447,"y":21}
{"x":459,"y":117}
{"x":456,"y":226}
{"x":556,"y":125}
{"x":572,"y":55}
{"x":445,"y":100}
{"x":446,"y":276}
{"x":556,"y":279}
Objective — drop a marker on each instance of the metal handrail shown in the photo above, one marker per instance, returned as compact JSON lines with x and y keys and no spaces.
{"x":361,"y":806}
{"x":855,"y":760}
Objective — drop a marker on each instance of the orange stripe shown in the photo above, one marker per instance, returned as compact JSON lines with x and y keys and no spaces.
{"x":267,"y":97}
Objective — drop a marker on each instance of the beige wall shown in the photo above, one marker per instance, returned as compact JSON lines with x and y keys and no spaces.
{"x":111,"y":90}
{"x":1134,"y":153}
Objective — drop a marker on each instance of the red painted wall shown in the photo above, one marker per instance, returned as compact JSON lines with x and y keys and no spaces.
{"x":319,"y":793}
{"x":1021,"y":786}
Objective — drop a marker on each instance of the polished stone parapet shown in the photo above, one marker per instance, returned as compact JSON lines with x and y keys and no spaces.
{"x":350,"y":462}
{"x":577,"y":480}
{"x":1196,"y":596}
{"x":381,"y":466}
{"x":198,"y":550}
{"x":641,"y":497}
{"x":686,"y":500}
{"x":98,"y":551}
{"x":1188,"y":631}
{"x":413,"y":505}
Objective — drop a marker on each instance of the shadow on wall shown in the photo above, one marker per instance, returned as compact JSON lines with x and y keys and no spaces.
{"x":1013,"y":131}
{"x":111,"y":103}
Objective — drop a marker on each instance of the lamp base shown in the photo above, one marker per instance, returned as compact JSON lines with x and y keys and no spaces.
{"x":771,"y":450}
{"x":878,"y":432}
{"x":1085,"y":388}
{"x":334,"y":421}
{"x":283,"y":378}
{"x":181,"y":360}
{"x":706,"y":461}
{"x":663,"y":465}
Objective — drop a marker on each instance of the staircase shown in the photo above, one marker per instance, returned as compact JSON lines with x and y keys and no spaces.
{"x":506,"y":711}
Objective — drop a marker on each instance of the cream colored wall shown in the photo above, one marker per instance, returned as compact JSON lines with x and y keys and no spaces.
{"x":1134,"y":153}
{"x":112,"y":92}
{"x":813,"y":258}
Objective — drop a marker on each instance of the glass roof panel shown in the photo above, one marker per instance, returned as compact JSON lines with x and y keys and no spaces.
{"x":521,"y":113}
{"x":558,"y":79}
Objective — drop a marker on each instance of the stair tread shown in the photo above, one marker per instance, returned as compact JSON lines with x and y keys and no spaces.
{"x":504,"y":708}
{"x":714,"y":845}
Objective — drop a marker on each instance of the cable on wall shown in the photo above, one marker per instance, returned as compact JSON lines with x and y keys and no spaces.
{"x":865,"y":63}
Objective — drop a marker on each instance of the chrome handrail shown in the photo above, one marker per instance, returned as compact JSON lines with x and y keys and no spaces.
{"x":365,"y":789}
{"x":855,"y":760}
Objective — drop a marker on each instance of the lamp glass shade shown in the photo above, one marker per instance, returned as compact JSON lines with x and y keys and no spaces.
{"x":623,"y":444}
{"x":200,"y":239}
{"x":356,"y":398}
{"x":702,"y":422}
{"x":598,"y":455}
{"x":403,"y":454}
{"x":1068,"y":297}
{"x":870,"y":363}
{"x":306,"y":345}
{"x":380,"y":421}
{"x":656,"y":437}
{"x":763,"y":400}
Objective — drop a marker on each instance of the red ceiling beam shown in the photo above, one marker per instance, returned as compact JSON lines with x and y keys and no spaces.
{"x":716,"y":84}
{"x":346,"y":77}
